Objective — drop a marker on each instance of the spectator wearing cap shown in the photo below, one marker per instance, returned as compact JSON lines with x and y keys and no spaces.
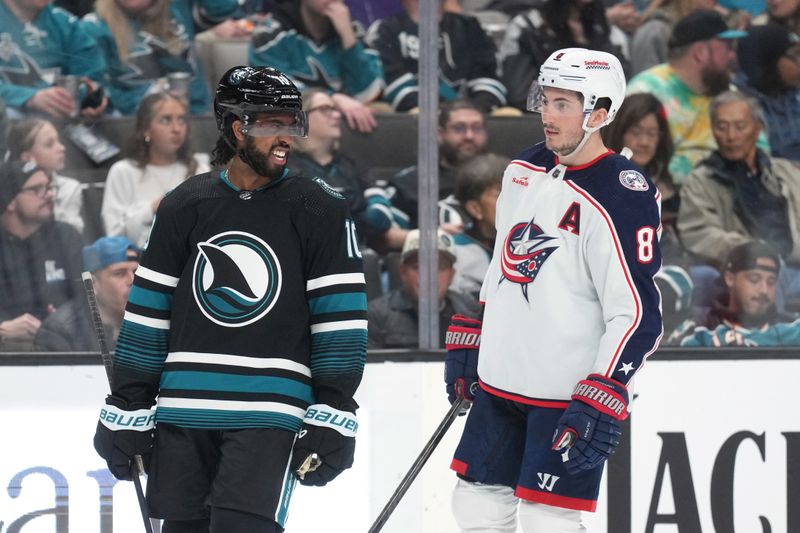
{"x":745,"y":313}
{"x":39,"y":257}
{"x":769,"y":62}
{"x":393,"y":317}
{"x":112,"y":262}
{"x":739,"y":192}
{"x":700,"y":56}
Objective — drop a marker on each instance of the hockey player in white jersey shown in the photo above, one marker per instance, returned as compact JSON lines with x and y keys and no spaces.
{"x":571,"y":313}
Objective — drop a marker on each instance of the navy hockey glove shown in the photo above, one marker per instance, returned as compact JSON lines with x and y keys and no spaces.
{"x":330,"y":434}
{"x":588,"y":431}
{"x":123,"y":432}
{"x":461,"y":364}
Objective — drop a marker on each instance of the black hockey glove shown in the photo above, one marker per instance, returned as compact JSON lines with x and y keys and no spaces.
{"x":123,"y":432}
{"x":325,"y":445}
{"x":588,"y":431}
{"x":461,"y":363}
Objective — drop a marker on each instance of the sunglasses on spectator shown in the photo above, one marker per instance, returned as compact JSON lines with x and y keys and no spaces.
{"x":325,"y":109}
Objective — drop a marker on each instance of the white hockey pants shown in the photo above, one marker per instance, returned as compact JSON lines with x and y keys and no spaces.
{"x":494,"y":509}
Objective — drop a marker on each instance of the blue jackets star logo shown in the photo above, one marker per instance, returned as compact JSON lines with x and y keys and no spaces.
{"x":524,"y":254}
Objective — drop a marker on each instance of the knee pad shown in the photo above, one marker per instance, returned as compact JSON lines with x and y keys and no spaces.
{"x":185,"y":526}
{"x":232,"y":521}
{"x":541,"y":518}
{"x":484,"y":508}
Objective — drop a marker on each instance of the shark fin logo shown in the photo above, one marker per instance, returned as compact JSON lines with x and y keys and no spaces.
{"x":237,"y":279}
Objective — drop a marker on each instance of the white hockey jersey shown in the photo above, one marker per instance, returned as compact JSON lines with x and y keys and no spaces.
{"x":570,"y":288}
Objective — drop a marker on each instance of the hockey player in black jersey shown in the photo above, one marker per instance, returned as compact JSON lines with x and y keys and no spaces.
{"x":246,"y":326}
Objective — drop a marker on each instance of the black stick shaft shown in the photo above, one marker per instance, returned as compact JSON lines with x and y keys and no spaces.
{"x":415,"y":469}
{"x":108,"y":364}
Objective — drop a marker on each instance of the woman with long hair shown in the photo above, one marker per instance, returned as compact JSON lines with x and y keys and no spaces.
{"x":318,"y":156}
{"x":147,"y":49}
{"x":769,"y":62}
{"x":158,"y":158}
{"x":36,"y":139}
{"x":783,"y":12}
{"x":641,"y":125}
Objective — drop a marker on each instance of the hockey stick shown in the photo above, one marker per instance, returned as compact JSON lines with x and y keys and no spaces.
{"x":108,"y":364}
{"x":423,"y":457}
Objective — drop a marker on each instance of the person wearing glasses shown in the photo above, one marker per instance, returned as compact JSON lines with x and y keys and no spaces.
{"x":318,"y":157}
{"x":461,"y":135}
{"x":245,"y":334}
{"x":37,"y":140}
{"x":700,"y":62}
{"x":159,"y":158}
{"x":40,"y":258}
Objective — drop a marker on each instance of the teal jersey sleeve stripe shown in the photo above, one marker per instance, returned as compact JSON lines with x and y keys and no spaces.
{"x":152,"y":299}
{"x":216,"y":381}
{"x":141,"y":347}
{"x":222,"y":419}
{"x":335,"y":303}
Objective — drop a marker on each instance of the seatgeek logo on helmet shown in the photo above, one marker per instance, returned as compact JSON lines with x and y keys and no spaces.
{"x":237,"y":278}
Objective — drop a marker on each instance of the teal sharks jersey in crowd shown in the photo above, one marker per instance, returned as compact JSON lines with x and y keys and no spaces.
{"x":282,"y":43}
{"x":33,"y":54}
{"x":150,"y":59}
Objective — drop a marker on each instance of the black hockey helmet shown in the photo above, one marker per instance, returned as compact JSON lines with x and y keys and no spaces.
{"x":249,"y":91}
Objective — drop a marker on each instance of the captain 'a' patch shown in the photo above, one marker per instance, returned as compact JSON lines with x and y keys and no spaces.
{"x":237,"y":278}
{"x":571,"y":221}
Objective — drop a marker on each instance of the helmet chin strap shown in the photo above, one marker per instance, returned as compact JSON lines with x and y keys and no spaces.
{"x":567,"y":159}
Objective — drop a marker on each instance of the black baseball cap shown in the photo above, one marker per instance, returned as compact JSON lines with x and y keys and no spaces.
{"x":701,"y":25}
{"x":745,"y":257}
{"x":13,"y":176}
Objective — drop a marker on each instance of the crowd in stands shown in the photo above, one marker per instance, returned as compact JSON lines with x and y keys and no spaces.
{"x":712,"y":116}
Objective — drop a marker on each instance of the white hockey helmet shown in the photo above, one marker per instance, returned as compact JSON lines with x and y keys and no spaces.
{"x":592,"y":73}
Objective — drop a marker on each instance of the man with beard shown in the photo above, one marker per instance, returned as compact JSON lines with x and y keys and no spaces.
{"x":40,"y":265}
{"x":700,"y":58}
{"x":461,"y":135}
{"x":247,"y":320}
{"x":571,"y":313}
{"x":744,"y":314}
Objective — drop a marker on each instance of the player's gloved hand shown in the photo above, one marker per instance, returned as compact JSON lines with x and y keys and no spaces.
{"x":588,"y":431}
{"x":123,"y":432}
{"x":331,"y":435}
{"x":461,"y":364}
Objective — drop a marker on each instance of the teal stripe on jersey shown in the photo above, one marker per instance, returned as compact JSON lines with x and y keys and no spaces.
{"x":338,"y":351}
{"x":221,"y":382}
{"x":141,"y":347}
{"x":335,"y":303}
{"x":224,"y":419}
{"x":151,"y":299}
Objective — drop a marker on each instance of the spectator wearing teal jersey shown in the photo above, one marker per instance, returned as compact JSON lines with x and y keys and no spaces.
{"x":145,"y":42}
{"x":38,"y":44}
{"x":316,"y":44}
{"x":745,"y":313}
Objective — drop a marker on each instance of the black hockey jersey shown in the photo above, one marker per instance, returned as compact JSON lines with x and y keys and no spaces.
{"x":247,"y":307}
{"x":467,"y":65}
